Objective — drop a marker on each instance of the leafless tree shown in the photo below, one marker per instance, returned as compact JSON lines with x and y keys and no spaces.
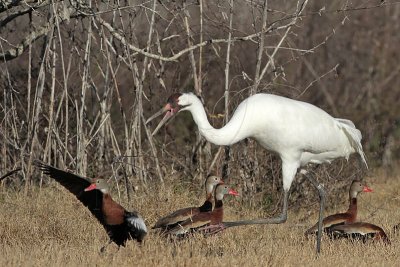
{"x":79,"y":78}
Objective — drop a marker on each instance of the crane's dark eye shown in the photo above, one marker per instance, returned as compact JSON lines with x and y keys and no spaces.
{"x":174,"y":99}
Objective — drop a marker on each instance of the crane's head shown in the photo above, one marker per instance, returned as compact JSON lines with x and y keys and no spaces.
{"x":176,"y":102}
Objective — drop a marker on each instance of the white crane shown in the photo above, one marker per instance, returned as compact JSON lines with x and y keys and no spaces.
{"x":300,"y":133}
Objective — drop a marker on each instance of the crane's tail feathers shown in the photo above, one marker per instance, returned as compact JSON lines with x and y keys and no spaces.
{"x":354,"y":136}
{"x":348,"y":123}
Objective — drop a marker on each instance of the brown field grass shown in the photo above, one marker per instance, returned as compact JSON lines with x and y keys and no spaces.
{"x":49,"y":227}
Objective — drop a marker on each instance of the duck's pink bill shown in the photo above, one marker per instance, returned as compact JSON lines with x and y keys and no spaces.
{"x":367,"y":189}
{"x":90,"y":187}
{"x":233,"y":192}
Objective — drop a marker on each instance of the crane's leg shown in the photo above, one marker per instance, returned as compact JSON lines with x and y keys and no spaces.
{"x":289,"y":169}
{"x":213,"y":229}
{"x":322,"y":194}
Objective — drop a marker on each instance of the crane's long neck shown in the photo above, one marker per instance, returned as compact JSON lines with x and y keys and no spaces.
{"x":227,"y":135}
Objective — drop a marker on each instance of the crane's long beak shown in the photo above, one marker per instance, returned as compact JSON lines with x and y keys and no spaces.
{"x":169,"y":113}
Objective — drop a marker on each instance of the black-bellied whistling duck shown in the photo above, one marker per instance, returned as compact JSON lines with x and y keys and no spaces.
{"x":360,"y":230}
{"x":349,"y":216}
{"x":181,"y":215}
{"x":201,"y":219}
{"x":119,"y":224}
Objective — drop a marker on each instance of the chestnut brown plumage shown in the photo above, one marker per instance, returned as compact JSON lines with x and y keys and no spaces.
{"x":178,"y":216}
{"x":360,"y":230}
{"x":119,"y":224}
{"x":202,"y":219}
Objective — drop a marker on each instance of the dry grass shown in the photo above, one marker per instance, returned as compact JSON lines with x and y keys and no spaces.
{"x":49,"y":227}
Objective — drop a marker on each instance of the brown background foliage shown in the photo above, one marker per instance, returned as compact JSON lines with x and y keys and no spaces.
{"x":75,"y":96}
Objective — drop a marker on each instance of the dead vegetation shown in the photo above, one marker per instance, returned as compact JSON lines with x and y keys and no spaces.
{"x":50,"y":227}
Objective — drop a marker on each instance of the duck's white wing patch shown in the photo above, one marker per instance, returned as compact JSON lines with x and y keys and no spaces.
{"x":137,"y":222}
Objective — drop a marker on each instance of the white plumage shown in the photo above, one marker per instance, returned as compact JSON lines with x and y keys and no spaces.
{"x":300,"y":133}
{"x":137,"y":222}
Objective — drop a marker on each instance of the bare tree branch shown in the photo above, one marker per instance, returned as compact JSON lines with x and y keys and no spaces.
{"x":300,"y":9}
{"x":21,"y":47}
{"x":260,"y":48}
{"x":176,"y":56}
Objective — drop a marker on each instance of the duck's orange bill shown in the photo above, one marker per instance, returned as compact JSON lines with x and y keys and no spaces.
{"x":367,"y":189}
{"x":233,"y":192}
{"x":90,"y":187}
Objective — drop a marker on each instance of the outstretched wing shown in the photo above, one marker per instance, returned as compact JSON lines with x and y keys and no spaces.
{"x":76,"y":185}
{"x":10,"y":173}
